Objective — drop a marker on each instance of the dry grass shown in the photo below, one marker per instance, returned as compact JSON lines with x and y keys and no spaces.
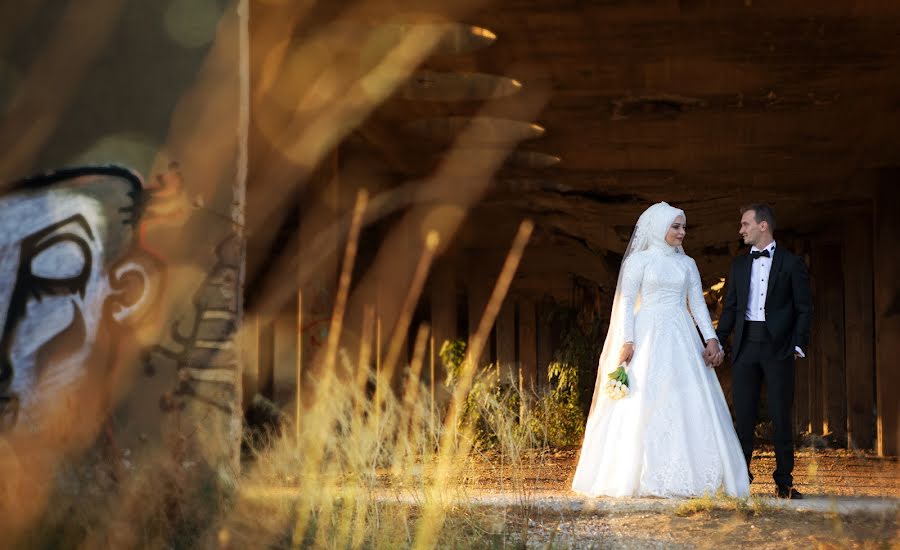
{"x":362,"y":472}
{"x":372,"y":469}
{"x":721,"y":502}
{"x":359,"y":472}
{"x":373,"y":473}
{"x":358,"y":469}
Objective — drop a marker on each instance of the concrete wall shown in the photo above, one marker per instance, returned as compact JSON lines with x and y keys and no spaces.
{"x":122,"y":288}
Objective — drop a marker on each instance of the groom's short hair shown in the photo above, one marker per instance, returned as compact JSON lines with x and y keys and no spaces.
{"x":761,"y":213}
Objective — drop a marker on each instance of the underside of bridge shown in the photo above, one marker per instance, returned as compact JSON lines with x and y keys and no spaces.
{"x":577,"y":115}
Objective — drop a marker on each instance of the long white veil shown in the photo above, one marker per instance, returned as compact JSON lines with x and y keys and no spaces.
{"x":650,"y":232}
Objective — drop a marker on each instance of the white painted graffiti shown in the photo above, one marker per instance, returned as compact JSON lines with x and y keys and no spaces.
{"x":72,"y":276}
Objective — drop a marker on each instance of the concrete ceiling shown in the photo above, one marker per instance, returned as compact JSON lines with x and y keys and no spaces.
{"x":708,"y":105}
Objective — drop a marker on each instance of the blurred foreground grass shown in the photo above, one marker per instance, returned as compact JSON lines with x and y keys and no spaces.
{"x":362,"y":472}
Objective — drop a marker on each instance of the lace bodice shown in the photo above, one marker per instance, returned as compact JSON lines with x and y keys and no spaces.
{"x":656,"y":279}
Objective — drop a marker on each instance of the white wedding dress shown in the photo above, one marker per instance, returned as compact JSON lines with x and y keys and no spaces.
{"x":673,"y":434}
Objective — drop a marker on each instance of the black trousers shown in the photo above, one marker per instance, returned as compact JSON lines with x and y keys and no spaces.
{"x":755,"y":363}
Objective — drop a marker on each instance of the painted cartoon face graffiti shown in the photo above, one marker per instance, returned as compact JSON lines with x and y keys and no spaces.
{"x":69,"y":274}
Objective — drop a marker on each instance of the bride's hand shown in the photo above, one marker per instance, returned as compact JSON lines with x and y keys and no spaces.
{"x":712,"y":354}
{"x":627,"y":352}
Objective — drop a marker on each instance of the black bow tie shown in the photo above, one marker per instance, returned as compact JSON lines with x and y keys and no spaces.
{"x":757,"y":253}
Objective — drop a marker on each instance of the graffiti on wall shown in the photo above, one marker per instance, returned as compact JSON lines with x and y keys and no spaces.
{"x":74,"y":280}
{"x":203,"y":353}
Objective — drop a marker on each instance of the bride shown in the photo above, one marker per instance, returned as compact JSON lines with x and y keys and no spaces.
{"x":672,"y":434}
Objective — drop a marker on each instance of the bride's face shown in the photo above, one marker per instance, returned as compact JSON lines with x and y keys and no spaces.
{"x":675,"y":234}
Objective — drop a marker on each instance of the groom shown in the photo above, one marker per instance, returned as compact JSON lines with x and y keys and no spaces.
{"x":768,"y":307}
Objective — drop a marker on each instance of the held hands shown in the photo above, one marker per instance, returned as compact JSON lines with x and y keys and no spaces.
{"x":713,"y":355}
{"x":626,"y":353}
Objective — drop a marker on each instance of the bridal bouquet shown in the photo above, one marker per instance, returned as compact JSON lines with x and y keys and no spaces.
{"x":617,"y":385}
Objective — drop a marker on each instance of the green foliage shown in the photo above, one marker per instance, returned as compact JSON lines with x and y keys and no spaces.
{"x":564,"y":381}
{"x":581,"y":348}
{"x":557,"y":415}
{"x":493,"y":408}
{"x":577,"y":348}
{"x":453,"y":353}
{"x":492,"y":411}
{"x":560,"y":413}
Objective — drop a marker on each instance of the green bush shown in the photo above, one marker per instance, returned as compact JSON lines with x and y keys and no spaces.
{"x":557,"y":415}
{"x":453,"y":353}
{"x":493,"y":408}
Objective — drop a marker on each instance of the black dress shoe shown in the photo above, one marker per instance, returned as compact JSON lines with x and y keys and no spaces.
{"x":783,"y":491}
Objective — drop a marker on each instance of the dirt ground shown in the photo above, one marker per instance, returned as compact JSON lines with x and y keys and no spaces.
{"x":699,"y":523}
{"x":712,"y":529}
{"x":528,"y":504}
{"x":826,"y":472}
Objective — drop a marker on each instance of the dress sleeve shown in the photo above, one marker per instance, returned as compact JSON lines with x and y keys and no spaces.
{"x":697,"y":304}
{"x":632,"y":274}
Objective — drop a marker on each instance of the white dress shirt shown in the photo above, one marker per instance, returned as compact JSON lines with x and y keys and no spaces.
{"x":759,"y":284}
{"x":759,"y":287}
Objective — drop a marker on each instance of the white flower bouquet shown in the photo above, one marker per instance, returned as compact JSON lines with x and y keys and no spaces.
{"x":617,"y":385}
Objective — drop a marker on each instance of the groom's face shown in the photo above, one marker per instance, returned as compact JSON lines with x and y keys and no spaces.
{"x":750,"y":229}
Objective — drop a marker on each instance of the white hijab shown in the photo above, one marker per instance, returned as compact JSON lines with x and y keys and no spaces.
{"x":649,"y":234}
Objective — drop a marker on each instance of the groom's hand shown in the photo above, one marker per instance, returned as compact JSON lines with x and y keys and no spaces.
{"x":713,"y":355}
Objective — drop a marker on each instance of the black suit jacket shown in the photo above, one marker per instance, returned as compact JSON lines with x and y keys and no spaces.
{"x":788,"y":305}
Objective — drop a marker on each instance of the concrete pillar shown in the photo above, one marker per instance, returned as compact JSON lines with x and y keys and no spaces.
{"x":887,"y":312}
{"x":528,"y":347}
{"x":443,"y":316}
{"x":828,"y":338}
{"x":816,"y":361}
{"x":802,"y":410}
{"x":478,"y":292}
{"x":120,"y":101}
{"x":285,"y":357}
{"x":506,"y":342}
{"x":318,"y":290}
{"x":545,"y":349}
{"x":859,"y":336}
{"x":250,"y":344}
{"x":266,"y":358}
